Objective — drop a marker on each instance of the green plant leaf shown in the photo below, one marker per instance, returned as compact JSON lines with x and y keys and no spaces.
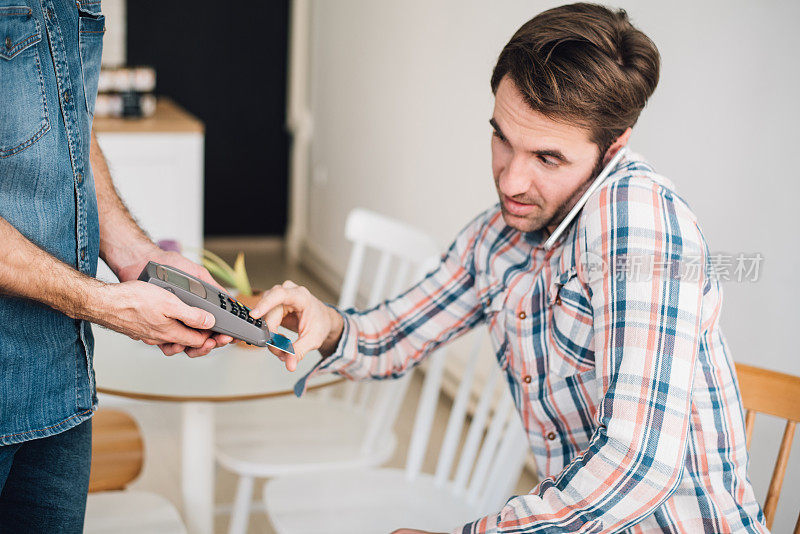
{"x":222,"y":264}
{"x":222,"y":276}
{"x":240,"y":276}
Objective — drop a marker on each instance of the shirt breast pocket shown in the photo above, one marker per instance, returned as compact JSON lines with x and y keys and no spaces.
{"x":571,"y":332}
{"x":23,"y":110}
{"x":92,"y":27}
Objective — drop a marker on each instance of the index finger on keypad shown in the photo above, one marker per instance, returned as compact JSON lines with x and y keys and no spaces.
{"x":273,"y":298}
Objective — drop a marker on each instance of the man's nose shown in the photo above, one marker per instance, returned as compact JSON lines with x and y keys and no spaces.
{"x":516,"y":180}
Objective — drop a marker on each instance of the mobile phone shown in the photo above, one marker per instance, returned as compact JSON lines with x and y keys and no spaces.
{"x":581,"y":201}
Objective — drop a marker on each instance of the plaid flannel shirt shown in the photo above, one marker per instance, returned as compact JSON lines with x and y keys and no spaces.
{"x":612,"y":348}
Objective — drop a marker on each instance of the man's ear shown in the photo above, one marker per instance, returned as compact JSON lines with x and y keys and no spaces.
{"x":621,"y":141}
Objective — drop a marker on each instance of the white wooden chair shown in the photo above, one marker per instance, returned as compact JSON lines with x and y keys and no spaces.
{"x":379,"y":500}
{"x":117,"y":457}
{"x":321,"y":431}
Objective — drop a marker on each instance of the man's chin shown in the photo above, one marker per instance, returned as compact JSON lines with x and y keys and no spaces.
{"x":522,"y":224}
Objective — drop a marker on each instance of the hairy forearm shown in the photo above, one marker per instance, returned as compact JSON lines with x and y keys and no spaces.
{"x":29,"y":272}
{"x":122,"y":241}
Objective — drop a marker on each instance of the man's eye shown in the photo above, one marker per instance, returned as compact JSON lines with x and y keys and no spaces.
{"x":550,"y":162}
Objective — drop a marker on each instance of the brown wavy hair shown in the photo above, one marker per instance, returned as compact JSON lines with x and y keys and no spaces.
{"x":583,"y":64}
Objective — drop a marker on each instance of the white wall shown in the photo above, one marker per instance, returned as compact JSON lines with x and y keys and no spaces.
{"x":401,"y":100}
{"x":114,"y":50}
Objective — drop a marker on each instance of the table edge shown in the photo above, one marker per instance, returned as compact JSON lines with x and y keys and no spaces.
{"x":205,"y":398}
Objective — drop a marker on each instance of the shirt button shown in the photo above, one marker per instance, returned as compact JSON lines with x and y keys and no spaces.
{"x":9,"y":44}
{"x":551,"y":435}
{"x":66,"y":96}
{"x":83,"y":254}
{"x":526,"y":379}
{"x":522,"y":315}
{"x":80,"y":178}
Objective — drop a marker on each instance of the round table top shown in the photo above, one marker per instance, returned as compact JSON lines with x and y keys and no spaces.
{"x":133,"y":369}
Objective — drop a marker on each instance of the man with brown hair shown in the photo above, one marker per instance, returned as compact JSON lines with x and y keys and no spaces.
{"x":608,"y":334}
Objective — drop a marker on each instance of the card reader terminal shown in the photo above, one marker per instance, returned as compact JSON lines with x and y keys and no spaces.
{"x":231,"y":316}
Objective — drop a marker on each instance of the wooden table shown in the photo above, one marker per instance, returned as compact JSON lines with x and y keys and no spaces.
{"x":132,"y":369}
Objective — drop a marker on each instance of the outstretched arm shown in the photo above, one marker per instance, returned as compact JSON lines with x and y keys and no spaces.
{"x":389,"y":339}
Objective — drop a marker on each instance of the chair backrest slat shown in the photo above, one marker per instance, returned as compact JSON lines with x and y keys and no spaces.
{"x":379,"y":282}
{"x":389,"y":397}
{"x":749,"y":422}
{"x":774,"y":491}
{"x":402,"y":248}
{"x":400,"y":278}
{"x":472,"y":442}
{"x":365,"y":395}
{"x":510,"y":457}
{"x":347,"y":296}
{"x":489,"y":448}
{"x":458,"y":414}
{"x":776,"y":394}
{"x":495,"y":445}
{"x":426,"y":411}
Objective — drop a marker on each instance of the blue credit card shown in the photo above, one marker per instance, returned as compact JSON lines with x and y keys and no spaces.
{"x":281,"y":343}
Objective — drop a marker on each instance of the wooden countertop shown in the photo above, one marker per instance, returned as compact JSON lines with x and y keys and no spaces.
{"x":168,"y":118}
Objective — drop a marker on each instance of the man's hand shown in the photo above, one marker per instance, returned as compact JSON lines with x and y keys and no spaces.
{"x":294,"y":307}
{"x":131,"y":272}
{"x":146,"y":312}
{"x":138,"y":309}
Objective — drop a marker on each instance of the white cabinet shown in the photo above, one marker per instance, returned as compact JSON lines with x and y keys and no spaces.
{"x":157,"y":167}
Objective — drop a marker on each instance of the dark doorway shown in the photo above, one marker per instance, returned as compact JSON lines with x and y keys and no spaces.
{"x":227,"y":66}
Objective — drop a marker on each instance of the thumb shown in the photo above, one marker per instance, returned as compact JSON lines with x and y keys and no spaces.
{"x":192,"y":317}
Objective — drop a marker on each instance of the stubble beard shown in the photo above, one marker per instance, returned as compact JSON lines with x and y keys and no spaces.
{"x":537,"y":223}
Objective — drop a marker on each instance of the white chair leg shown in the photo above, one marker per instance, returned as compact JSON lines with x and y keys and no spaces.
{"x":240,"y":516}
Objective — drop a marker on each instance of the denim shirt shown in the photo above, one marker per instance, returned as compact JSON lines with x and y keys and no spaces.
{"x":49,"y":66}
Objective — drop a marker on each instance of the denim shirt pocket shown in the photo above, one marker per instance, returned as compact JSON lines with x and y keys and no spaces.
{"x":92,"y":27}
{"x":23,"y":109}
{"x":571,"y":326}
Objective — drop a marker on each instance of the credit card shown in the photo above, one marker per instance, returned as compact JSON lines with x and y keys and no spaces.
{"x":281,"y":343}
